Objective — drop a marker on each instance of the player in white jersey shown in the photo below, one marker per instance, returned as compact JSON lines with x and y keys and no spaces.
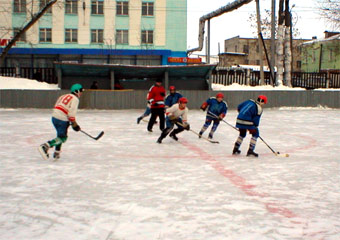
{"x":64,"y":114}
{"x":177,"y":114}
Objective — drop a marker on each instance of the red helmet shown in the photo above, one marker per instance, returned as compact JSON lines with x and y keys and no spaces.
{"x":219,"y":95}
{"x":172,"y":88}
{"x":183,"y":100}
{"x":262,"y":99}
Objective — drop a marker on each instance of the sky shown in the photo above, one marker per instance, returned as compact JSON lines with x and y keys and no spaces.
{"x":236,"y":23}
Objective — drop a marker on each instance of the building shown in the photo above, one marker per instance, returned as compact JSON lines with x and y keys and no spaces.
{"x":245,"y":51}
{"x":321,"y":54}
{"x":131,"y":32}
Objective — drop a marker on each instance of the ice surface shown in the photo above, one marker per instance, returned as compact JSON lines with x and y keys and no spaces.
{"x":126,"y":186}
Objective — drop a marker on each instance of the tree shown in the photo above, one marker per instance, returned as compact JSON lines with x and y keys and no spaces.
{"x":34,"y":19}
{"x":266,"y":24}
{"x":330,"y":11}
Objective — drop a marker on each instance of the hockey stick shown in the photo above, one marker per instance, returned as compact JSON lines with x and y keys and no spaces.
{"x":207,"y":139}
{"x":95,"y":138}
{"x":276,"y":153}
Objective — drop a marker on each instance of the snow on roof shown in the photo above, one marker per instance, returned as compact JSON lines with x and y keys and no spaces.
{"x":335,"y":37}
{"x":24,"y":83}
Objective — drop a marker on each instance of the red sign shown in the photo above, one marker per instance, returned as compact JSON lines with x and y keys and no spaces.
{"x":184,"y":60}
{"x":4,"y":42}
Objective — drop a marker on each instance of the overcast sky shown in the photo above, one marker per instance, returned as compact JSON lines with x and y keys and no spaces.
{"x":236,"y":23}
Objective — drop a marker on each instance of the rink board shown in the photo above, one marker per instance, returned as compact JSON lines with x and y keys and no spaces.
{"x":136,"y":99}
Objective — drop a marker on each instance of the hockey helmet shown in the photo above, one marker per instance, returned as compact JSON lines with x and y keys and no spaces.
{"x":76,"y":88}
{"x":219,"y":95}
{"x":262,"y":99}
{"x":172,"y":88}
{"x":183,"y":100}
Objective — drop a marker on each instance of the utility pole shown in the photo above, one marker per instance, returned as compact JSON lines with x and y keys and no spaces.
{"x":259,"y":41}
{"x":272,"y":41}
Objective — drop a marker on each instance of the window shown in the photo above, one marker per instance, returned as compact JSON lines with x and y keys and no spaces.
{"x":19,"y":6}
{"x":298,"y":64}
{"x":313,"y":57}
{"x":330,"y":54}
{"x":257,"y":62}
{"x":122,"y":8}
{"x":45,"y":35}
{"x":246,"y":62}
{"x":22,"y":38}
{"x":236,"y":48}
{"x":97,"y":7}
{"x":147,"y":37}
{"x":147,"y":9}
{"x":71,"y":6}
{"x":245,"y":49}
{"x":97,"y":36}
{"x":122,"y":37}
{"x":43,"y":3}
{"x":71,"y":35}
{"x":257,"y":48}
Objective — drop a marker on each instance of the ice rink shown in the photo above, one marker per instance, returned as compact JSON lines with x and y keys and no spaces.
{"x":127,"y":187}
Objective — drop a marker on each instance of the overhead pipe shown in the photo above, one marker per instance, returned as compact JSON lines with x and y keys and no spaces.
{"x":227,"y":8}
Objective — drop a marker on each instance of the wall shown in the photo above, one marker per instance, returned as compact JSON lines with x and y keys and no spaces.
{"x":130,"y":99}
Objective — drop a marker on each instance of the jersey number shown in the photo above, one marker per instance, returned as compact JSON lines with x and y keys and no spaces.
{"x":66,"y":99}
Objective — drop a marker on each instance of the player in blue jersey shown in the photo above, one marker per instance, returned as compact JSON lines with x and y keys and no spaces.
{"x":173,"y":97}
{"x":217,"y":109}
{"x":248,"y":119}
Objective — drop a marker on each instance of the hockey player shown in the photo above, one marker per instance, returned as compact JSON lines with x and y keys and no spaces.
{"x":156,"y":98}
{"x":173,"y":97}
{"x":64,"y":114}
{"x":216,"y":112}
{"x":145,"y":114}
{"x":248,"y":118}
{"x":177,"y":114}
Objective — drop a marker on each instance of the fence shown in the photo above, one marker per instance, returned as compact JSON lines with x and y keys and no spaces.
{"x":40,"y":74}
{"x":242,"y":77}
{"x":9,"y":72}
{"x":299,"y":79}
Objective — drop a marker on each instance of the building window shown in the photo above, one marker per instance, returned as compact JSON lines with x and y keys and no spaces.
{"x":97,"y":7}
{"x":236,"y":48}
{"x":97,"y":36}
{"x":257,"y":48}
{"x":147,"y":37}
{"x":19,"y":6}
{"x":122,"y":8}
{"x":313,"y":57}
{"x":245,"y":49}
{"x":71,"y":35}
{"x":71,"y":6}
{"x":257,"y":62}
{"x":45,"y":35}
{"x":43,"y":3}
{"x":330,"y":54}
{"x":298,"y":64}
{"x":147,"y":9}
{"x":246,"y":61}
{"x":22,"y":38}
{"x":122,"y":37}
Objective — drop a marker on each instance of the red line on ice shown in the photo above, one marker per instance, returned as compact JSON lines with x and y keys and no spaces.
{"x":240,"y":182}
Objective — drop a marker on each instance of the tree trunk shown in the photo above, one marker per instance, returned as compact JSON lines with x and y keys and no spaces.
{"x":260,"y":42}
{"x":280,"y":36}
{"x":288,"y":53}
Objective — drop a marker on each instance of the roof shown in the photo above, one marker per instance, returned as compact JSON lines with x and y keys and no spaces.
{"x":134,"y":71}
{"x":335,"y":37}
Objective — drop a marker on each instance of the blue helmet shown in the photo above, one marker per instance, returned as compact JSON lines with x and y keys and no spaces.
{"x":76,"y":88}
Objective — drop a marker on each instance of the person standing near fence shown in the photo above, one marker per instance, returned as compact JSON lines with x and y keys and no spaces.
{"x":173,"y":97}
{"x":217,"y":109}
{"x":156,"y":97}
{"x":248,"y":119}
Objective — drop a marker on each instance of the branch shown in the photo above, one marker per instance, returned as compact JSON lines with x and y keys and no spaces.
{"x":27,"y":26}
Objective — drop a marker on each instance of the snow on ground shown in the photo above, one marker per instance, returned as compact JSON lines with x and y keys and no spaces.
{"x":236,"y":86}
{"x":126,"y":186}
{"x":23,"y":83}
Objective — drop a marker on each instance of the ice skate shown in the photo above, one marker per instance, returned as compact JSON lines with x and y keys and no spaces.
{"x":251,"y":153}
{"x":43,"y":149}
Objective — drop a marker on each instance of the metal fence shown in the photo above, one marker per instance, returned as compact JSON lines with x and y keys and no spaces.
{"x":242,"y":77}
{"x":40,"y":74}
{"x":9,"y":72}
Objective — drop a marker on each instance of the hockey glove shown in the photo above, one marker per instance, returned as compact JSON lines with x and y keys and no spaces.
{"x":204,"y":106}
{"x":221,"y":117}
{"x":75,"y":126}
{"x":186,"y":126}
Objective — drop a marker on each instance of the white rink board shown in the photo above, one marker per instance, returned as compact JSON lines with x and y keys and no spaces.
{"x":126,"y":186}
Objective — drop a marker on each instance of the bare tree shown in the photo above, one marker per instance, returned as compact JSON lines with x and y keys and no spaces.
{"x":330,"y":11}
{"x":34,"y":19}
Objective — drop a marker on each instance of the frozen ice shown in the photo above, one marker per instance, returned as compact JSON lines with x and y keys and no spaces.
{"x":127,"y":186}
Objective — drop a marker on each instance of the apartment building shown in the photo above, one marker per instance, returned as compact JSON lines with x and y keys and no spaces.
{"x":135,"y":32}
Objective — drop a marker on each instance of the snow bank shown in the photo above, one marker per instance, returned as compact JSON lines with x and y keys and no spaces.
{"x":236,"y":86}
{"x":24,"y":83}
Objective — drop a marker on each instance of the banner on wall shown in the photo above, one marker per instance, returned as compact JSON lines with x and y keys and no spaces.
{"x":184,"y":60}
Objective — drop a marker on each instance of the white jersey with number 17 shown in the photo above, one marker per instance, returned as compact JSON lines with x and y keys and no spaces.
{"x":66,"y":108}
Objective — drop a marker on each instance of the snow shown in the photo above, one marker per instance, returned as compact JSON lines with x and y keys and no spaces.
{"x":23,"y":83}
{"x":126,"y":186}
